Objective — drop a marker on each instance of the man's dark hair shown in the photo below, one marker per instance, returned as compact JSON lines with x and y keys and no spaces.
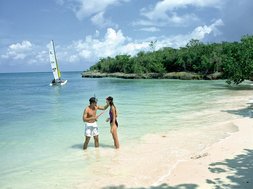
{"x":93,"y":100}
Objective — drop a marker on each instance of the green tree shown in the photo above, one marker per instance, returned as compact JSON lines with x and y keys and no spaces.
{"x":233,"y":59}
{"x":238,"y":61}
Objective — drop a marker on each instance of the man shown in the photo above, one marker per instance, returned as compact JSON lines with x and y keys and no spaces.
{"x":90,"y":119}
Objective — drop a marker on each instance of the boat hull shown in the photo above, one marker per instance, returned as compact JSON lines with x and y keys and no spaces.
{"x":63,"y":82}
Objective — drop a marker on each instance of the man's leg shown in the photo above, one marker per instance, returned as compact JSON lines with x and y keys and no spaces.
{"x":96,"y":141}
{"x":85,"y":145}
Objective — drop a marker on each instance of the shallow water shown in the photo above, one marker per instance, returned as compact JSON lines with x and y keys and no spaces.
{"x":41,"y":127}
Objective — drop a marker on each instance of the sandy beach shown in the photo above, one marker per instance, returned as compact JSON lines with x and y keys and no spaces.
{"x":225,"y":164}
{"x":217,"y":156}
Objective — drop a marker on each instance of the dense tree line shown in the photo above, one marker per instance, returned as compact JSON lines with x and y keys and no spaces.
{"x":233,"y":59}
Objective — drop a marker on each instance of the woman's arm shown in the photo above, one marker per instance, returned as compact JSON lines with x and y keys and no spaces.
{"x":103,"y":107}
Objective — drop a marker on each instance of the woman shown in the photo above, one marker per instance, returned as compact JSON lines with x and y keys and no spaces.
{"x":113,"y":121}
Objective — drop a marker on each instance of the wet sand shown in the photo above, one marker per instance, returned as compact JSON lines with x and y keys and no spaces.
{"x":218,"y":154}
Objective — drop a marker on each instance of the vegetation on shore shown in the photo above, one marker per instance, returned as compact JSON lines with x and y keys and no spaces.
{"x":171,"y":75}
{"x":227,"y":60}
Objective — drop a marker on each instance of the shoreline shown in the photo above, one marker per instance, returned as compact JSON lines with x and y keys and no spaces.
{"x":197,"y":168}
{"x":187,"y":158}
{"x":216,"y":166}
{"x":171,"y":75}
{"x":221,"y":164}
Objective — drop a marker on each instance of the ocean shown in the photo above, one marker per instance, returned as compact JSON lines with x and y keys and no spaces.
{"x":42,"y":133}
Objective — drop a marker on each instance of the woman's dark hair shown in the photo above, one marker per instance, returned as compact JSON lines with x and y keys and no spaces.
{"x":110,"y":100}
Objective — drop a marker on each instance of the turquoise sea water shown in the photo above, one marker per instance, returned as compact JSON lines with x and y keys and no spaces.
{"x":41,"y":128}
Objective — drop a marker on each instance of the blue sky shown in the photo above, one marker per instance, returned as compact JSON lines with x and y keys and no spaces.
{"x":86,"y":30}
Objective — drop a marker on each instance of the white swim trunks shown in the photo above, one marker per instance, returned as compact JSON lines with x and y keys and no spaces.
{"x":91,"y":129}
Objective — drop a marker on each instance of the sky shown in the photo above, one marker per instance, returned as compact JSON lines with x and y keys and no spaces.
{"x":85,"y":31}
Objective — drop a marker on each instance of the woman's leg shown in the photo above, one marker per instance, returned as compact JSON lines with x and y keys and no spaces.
{"x":115,"y":136}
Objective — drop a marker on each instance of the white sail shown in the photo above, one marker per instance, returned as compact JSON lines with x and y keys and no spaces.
{"x":53,"y":61}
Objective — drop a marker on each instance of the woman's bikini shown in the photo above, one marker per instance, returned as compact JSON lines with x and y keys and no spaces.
{"x":111,"y":118}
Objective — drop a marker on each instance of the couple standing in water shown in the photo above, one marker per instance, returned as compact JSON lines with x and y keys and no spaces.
{"x":90,"y":118}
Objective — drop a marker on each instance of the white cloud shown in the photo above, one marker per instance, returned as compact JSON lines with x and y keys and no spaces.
{"x":144,"y":23}
{"x":87,"y":8}
{"x":42,"y":56}
{"x":92,"y":48}
{"x":114,"y":42}
{"x":169,"y":12}
{"x":150,"y":29}
{"x":134,"y":47}
{"x":185,"y":19}
{"x":23,"y":46}
{"x":160,"y":9}
{"x":198,"y":33}
{"x":95,"y":10}
{"x":27,"y":52}
{"x":97,"y":46}
{"x":18,"y":50}
{"x":100,"y":21}
{"x":174,"y":4}
{"x":214,"y":26}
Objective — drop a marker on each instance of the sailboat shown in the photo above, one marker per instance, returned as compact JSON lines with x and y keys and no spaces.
{"x":55,"y":68}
